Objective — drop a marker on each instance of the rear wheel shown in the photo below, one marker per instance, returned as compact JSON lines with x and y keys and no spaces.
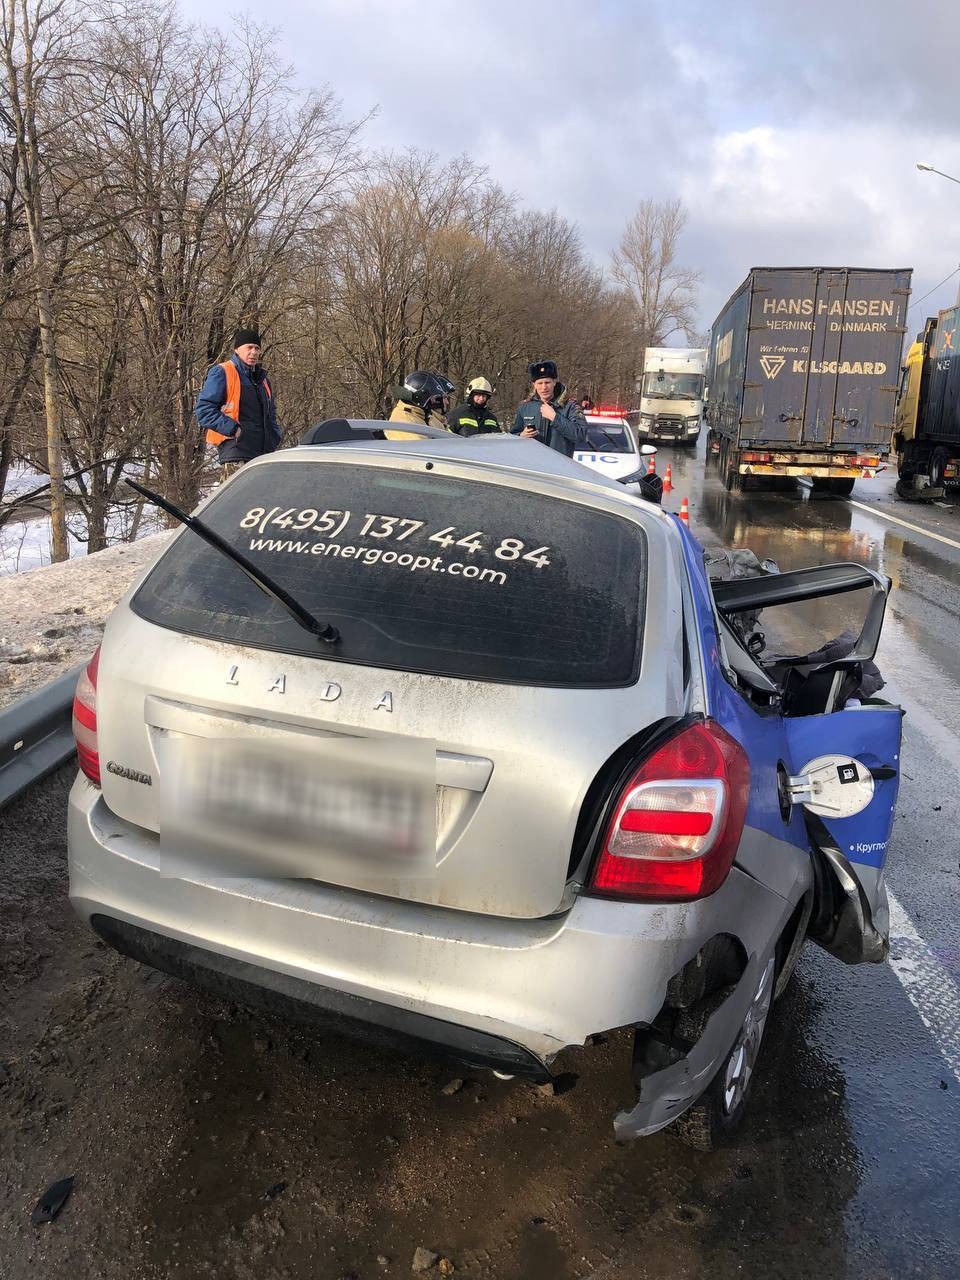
{"x":938,"y":465}
{"x":728,"y":468}
{"x":906,"y":462}
{"x":720,"y":1108}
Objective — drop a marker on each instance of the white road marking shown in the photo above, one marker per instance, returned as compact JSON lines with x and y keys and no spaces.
{"x":929,"y":988}
{"x":929,"y":726}
{"x":927,"y":533}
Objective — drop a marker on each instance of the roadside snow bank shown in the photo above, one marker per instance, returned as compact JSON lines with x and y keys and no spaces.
{"x":25,"y":536}
{"x":52,"y":618}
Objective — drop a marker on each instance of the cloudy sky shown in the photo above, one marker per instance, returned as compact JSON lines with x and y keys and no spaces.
{"x":790,"y":128}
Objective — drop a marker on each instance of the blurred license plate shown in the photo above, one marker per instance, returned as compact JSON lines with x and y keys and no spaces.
{"x":298,"y":804}
{"x":354,"y":811}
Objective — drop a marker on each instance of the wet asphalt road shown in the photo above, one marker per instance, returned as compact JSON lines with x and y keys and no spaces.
{"x":209,"y":1141}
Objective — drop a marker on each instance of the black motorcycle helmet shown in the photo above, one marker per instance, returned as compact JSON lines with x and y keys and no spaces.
{"x":425,"y":389}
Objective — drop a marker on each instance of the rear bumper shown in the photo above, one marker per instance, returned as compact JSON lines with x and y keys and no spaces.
{"x":301,"y":1001}
{"x":816,"y":472}
{"x":502,"y":992}
{"x":811,"y":463}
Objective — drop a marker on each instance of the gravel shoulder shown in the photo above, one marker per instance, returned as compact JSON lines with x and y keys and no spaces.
{"x":52,"y":618}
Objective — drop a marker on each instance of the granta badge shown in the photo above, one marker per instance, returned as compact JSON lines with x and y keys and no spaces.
{"x":132,"y":775}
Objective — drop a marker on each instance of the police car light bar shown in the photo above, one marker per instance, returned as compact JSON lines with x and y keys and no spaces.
{"x":608,"y":411}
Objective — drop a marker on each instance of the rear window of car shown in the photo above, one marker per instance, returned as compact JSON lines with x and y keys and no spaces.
{"x":609,"y":438}
{"x":418,"y":571}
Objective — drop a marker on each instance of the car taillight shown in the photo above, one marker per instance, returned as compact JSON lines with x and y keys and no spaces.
{"x":85,"y":720}
{"x":864,"y":461}
{"x":750,"y":456}
{"x":678,"y":821}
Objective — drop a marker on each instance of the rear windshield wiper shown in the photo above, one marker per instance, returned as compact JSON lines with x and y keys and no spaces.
{"x":324,"y":631}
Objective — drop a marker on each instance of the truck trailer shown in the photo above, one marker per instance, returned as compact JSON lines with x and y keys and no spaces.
{"x":927,"y":434}
{"x":671,"y":394}
{"x":802,"y":374}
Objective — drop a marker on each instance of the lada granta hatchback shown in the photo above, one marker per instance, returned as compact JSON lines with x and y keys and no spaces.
{"x":469,"y":754}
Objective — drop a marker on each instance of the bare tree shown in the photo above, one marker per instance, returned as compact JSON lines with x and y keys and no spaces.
{"x":175,"y":183}
{"x":20,"y":331}
{"x":663,"y":293}
{"x":35,"y":43}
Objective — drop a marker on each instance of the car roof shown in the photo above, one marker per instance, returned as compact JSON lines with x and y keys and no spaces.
{"x":495,"y":449}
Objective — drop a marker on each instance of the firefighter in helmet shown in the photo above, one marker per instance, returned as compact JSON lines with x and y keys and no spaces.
{"x":422,"y":401}
{"x":475,"y":417}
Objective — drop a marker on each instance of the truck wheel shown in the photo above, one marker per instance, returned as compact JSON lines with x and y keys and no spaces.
{"x":938,"y":464}
{"x":906,"y":465}
{"x":728,"y":465}
{"x":721,"y":1106}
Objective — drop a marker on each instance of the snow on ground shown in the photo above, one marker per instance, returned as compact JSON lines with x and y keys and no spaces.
{"x":52,"y":615}
{"x":25,"y":542}
{"x":51,"y":618}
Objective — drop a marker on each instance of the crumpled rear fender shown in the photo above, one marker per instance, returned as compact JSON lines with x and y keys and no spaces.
{"x":666,"y":1094}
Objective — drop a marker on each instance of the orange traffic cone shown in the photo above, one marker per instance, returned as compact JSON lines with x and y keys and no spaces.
{"x":668,"y":480}
{"x":685,"y":511}
{"x":651,"y":465}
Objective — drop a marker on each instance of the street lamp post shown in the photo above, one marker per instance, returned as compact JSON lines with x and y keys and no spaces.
{"x":928,"y":168}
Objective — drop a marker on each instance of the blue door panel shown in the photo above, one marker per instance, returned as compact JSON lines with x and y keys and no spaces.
{"x":872,"y":736}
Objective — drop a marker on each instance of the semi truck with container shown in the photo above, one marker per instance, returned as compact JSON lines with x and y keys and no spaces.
{"x":802,"y":373}
{"x":927,"y":428}
{"x":671,"y":395}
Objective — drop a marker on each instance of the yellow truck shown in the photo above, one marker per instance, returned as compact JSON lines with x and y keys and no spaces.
{"x":927,"y":419}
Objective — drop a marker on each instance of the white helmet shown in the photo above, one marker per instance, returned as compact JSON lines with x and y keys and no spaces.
{"x":478,"y":384}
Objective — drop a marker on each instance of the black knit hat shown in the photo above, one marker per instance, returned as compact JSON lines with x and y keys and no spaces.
{"x":243,"y":336}
{"x":543,"y":369}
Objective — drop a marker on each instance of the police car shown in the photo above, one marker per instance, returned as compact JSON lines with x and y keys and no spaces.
{"x":454,"y":745}
{"x":612,"y":447}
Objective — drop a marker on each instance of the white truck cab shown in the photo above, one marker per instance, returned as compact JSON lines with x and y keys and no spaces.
{"x":672,"y":394}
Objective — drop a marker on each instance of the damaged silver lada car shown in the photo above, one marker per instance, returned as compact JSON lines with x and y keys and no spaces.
{"x":455,"y":745}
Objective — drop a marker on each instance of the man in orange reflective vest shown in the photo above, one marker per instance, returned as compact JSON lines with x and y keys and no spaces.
{"x":236,"y":406}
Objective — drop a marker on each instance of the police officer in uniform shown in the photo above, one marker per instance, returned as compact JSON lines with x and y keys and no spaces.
{"x":546,"y":417}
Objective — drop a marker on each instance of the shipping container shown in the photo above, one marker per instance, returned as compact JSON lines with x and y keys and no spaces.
{"x":927,"y":437}
{"x":802,"y":375}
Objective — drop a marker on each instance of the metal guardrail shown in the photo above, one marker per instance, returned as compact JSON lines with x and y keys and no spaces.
{"x":36,"y":735}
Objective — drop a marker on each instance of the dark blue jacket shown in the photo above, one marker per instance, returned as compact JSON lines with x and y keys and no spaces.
{"x":257,"y":431}
{"x":566,"y":433}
